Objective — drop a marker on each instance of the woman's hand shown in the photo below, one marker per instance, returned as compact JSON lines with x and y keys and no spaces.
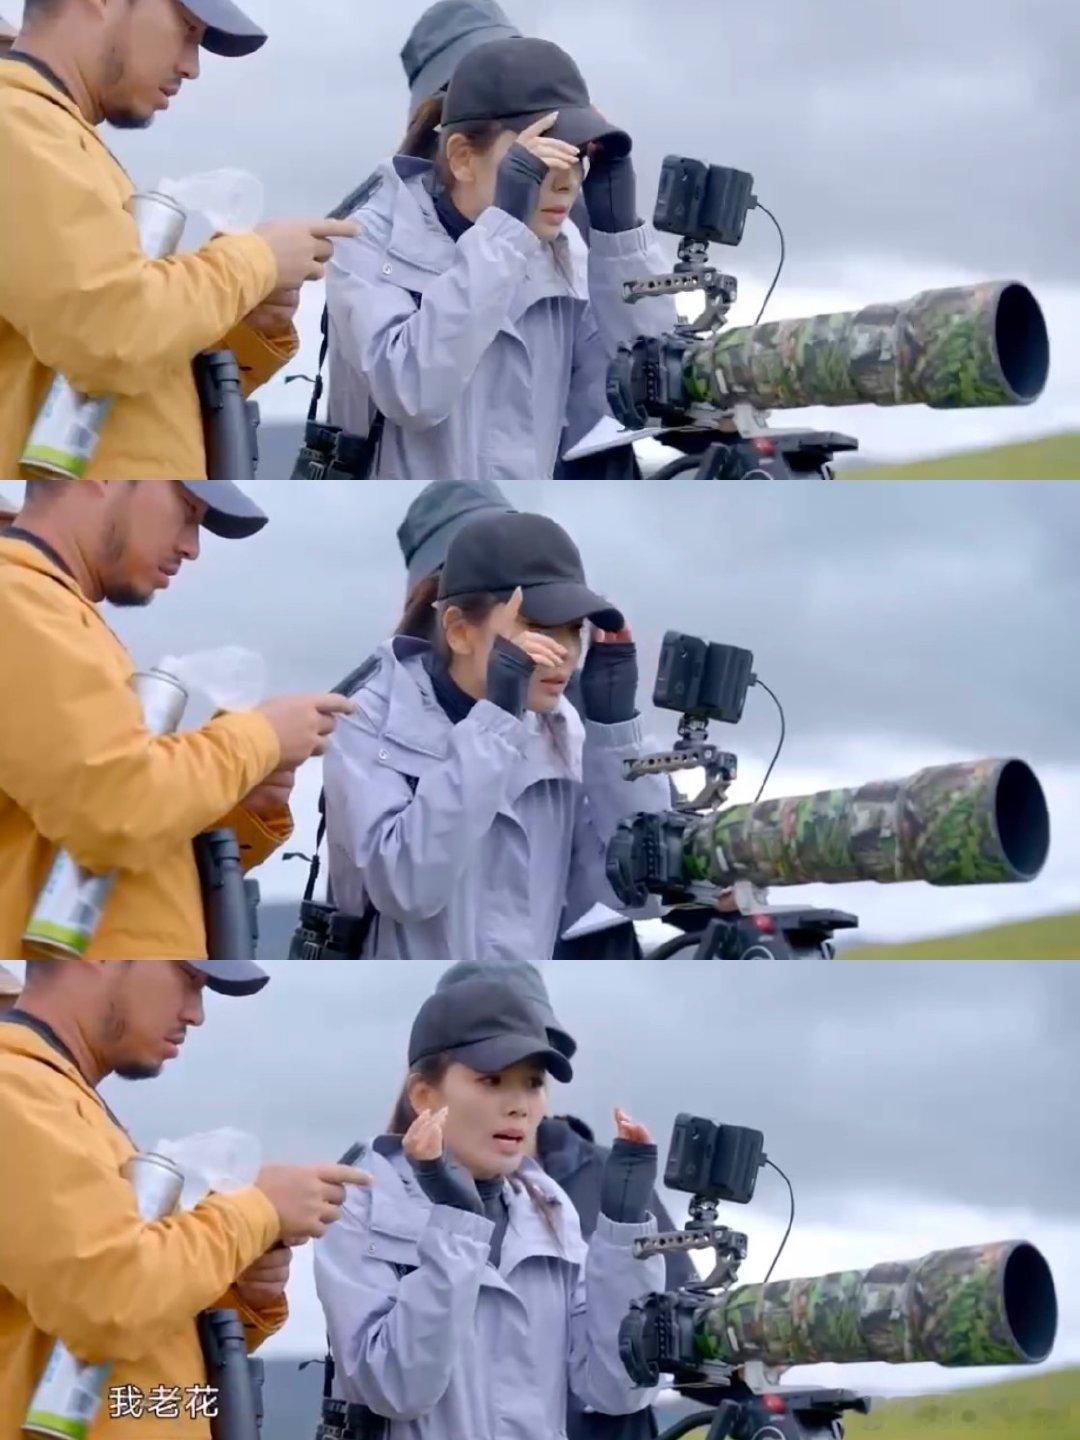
{"x":556,"y":154}
{"x":424,"y":1137}
{"x":628,"y":1129}
{"x":609,"y":677}
{"x":544,"y":651}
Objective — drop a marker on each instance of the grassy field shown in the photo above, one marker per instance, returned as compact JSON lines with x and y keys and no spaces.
{"x":1051,"y":937}
{"x":1055,"y":457}
{"x":1046,"y":1406}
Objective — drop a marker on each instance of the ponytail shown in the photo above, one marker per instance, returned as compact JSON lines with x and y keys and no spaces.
{"x":422,"y":137}
{"x":419,"y":619}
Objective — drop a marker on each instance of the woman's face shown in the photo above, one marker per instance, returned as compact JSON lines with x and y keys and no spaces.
{"x":470,"y":648}
{"x":474,"y":188}
{"x":492,"y":1120}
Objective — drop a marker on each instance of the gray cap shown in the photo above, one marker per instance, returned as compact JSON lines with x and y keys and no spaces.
{"x":445,"y":32}
{"x":437,"y":514}
{"x":228,"y":30}
{"x":230,"y":512}
{"x":487,"y":1024}
{"x":528,"y":980}
{"x":232,"y":977}
{"x":496,"y":554}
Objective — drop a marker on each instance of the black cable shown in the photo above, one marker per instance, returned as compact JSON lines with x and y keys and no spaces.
{"x":791,"y":1218}
{"x":783,"y":253}
{"x":779,"y":743}
{"x":674,"y":945}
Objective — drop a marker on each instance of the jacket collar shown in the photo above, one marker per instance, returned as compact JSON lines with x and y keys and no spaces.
{"x":416,"y":721}
{"x":17,"y":75}
{"x":28,"y":557}
{"x":27,"y":1043}
{"x":400,"y":1208}
{"x":419,"y":240}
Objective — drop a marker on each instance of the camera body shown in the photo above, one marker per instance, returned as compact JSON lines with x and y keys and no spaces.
{"x":704,"y":203}
{"x":711,"y":1161}
{"x":702,"y":679}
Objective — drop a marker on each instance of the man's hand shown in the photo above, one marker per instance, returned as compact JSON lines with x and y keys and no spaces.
{"x":274,"y":317}
{"x":302,"y":247}
{"x":307,"y":1198}
{"x":304,"y":724}
{"x":271,"y":797}
{"x":263,"y":1283}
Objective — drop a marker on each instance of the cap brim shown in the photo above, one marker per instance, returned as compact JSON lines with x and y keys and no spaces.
{"x":232,"y":977}
{"x":502,"y":1051}
{"x":562,"y":601}
{"x":580,"y":125}
{"x":564,"y":1043}
{"x":230,"y":512}
{"x":229,"y":31}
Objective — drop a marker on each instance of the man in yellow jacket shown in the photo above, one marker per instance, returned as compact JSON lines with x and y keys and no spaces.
{"x":78,"y":768}
{"x":76,"y":1262}
{"x":77,"y":296}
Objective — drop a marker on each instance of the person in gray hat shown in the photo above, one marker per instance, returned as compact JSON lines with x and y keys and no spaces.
{"x":567,"y":1151}
{"x":460,"y":1296}
{"x":445,"y":33}
{"x":77,"y":295}
{"x":468,"y":326}
{"x":468,"y":806}
{"x":76,"y":1261}
{"x":78,"y":769}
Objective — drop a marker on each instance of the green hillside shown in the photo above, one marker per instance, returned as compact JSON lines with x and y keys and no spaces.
{"x":1051,"y":937}
{"x":1047,"y":1406}
{"x":1055,"y":457}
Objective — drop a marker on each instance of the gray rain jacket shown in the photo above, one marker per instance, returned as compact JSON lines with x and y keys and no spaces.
{"x":500,"y":841}
{"x":455,"y":1349}
{"x":488,"y":356}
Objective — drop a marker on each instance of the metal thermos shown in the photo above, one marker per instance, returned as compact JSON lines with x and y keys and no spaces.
{"x":68,"y":909}
{"x":70,"y":1391}
{"x":66,"y":431}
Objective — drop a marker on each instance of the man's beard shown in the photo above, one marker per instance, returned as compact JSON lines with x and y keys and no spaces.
{"x":127,"y":597}
{"x":128,"y":120}
{"x":138,"y":1072}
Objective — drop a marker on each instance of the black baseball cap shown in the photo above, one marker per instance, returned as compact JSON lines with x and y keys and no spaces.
{"x":445,"y":33}
{"x":486,"y":1023}
{"x":498,"y":553}
{"x":517,"y":82}
{"x":529,"y":981}
{"x":228,"y":30}
{"x":230,"y":513}
{"x":437,"y":514}
{"x":232,"y":977}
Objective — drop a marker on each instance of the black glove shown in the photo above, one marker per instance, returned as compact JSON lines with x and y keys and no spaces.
{"x":445,"y":1182}
{"x":610,"y":192}
{"x":517,"y":186}
{"x":509,"y":671}
{"x":628,"y":1181}
{"x":609,"y":681}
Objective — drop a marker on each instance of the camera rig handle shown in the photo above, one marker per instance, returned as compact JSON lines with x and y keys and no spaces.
{"x":692,"y":751}
{"x":692,"y":273}
{"x":702,"y":1232}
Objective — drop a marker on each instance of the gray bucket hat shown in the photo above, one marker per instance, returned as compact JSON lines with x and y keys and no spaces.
{"x":445,"y":33}
{"x":437,"y":514}
{"x":230,"y":513}
{"x":528,"y":980}
{"x":228,"y":30}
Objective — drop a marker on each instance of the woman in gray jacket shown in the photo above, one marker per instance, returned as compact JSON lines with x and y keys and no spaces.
{"x":468,"y":806}
{"x":469,"y":316}
{"x":460,"y":1298}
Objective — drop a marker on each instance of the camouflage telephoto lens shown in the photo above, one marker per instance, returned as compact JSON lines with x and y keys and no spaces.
{"x":979,"y":822}
{"x":982,"y":1305}
{"x":965,"y":346}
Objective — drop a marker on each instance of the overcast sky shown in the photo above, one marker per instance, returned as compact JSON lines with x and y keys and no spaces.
{"x":901,"y":625}
{"x":901,"y":147}
{"x":914,"y":1106}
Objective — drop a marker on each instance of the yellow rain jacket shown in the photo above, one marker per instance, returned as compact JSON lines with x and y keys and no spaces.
{"x":77,"y":295}
{"x":78,"y":1264}
{"x":79,"y":771}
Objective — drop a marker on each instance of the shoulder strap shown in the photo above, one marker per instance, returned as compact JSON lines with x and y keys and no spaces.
{"x":355,"y":198}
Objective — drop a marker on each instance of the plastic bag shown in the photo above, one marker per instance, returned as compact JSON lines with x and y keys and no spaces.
{"x":214,"y":1160}
{"x":231,"y":677}
{"x":232,"y":201}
